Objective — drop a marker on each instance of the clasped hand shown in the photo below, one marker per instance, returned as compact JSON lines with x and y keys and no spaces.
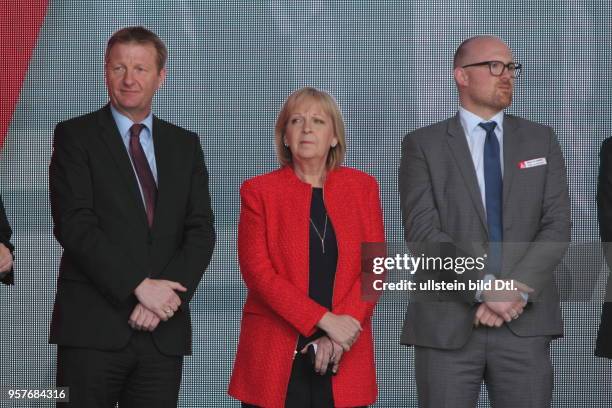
{"x":342,"y":329}
{"x":6,"y":259}
{"x":501,"y":305}
{"x":158,"y":301}
{"x":327,"y":352}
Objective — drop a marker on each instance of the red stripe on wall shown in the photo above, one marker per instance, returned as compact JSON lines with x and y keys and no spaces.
{"x":20,"y":23}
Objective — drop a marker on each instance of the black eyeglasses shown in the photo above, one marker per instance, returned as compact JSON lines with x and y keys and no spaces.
{"x":497,"y":67}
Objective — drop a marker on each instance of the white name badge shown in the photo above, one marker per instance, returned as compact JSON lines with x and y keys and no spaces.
{"x":532,"y":163}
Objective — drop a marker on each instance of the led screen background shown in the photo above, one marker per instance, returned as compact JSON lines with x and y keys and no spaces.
{"x":231,"y":65}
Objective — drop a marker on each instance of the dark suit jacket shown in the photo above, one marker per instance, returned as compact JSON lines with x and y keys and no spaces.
{"x":441,"y":203}
{"x":603,"y":346}
{"x":5,"y":236}
{"x":100,"y":221}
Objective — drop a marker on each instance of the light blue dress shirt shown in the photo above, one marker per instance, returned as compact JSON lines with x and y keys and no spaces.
{"x":146,"y":140}
{"x":475,"y":136}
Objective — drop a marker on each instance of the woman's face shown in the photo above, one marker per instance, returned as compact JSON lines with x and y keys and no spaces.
{"x":309,"y":133}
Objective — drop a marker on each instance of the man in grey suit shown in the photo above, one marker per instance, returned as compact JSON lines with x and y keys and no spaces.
{"x":486,"y":182}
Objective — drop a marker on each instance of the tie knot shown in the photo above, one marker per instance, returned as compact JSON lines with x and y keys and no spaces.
{"x":488,"y":126}
{"x":135,"y":129}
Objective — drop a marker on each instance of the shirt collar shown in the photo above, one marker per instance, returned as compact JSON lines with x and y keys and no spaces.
{"x":124,"y":123}
{"x":470,"y":121}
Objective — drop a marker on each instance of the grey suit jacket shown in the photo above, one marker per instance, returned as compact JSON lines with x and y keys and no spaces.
{"x":441,"y":202}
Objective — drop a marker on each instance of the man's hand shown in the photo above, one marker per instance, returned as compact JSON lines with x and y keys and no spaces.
{"x":6,"y":259}
{"x":487,"y":317}
{"x":143,"y":319}
{"x":507,"y":304}
{"x":342,"y":329}
{"x":158,"y":295}
{"x":507,"y":310}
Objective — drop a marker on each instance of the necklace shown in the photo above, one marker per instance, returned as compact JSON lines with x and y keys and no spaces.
{"x":321,"y":237}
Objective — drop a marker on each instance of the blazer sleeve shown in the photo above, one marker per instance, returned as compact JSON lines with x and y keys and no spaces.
{"x":108,"y":266}
{"x":604,"y":193}
{"x":358,"y":303}
{"x":187,"y":266}
{"x":421,"y":219}
{"x":259,"y":274}
{"x":547,"y":248}
{"x":604,"y":205}
{"x":5,"y":236}
{"x":419,"y":212}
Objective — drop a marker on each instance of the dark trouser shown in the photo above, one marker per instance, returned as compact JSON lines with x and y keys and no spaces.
{"x":306,"y":388}
{"x":516,"y":370}
{"x":135,"y":376}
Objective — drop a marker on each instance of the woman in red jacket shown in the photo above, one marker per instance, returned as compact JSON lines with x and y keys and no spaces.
{"x":299,"y":247}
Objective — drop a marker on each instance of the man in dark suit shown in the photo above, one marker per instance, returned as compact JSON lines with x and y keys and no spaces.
{"x":603,"y":347}
{"x":131,"y":209}
{"x":488,"y":183}
{"x":6,"y":248}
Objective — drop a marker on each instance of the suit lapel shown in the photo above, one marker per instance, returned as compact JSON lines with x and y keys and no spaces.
{"x":111,"y":137}
{"x":162,"y":146}
{"x":463,"y":159}
{"x":511,"y":158}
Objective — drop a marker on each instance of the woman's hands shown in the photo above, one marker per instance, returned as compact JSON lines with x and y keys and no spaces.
{"x":341,"y":329}
{"x":327,"y":353}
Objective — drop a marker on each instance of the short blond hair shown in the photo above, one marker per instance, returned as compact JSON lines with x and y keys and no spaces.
{"x":329,"y":106}
{"x":141,"y":36}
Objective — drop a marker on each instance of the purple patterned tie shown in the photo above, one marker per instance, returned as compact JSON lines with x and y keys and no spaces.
{"x":143,"y":171}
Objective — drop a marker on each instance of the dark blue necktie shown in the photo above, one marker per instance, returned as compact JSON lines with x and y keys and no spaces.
{"x":493,"y":196}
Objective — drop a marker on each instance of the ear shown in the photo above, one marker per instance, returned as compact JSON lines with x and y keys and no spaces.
{"x":334,"y":142}
{"x":461,"y":76}
{"x":162,"y":77}
{"x":106,"y":75}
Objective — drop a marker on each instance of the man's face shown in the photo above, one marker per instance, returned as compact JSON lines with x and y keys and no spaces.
{"x":132,"y":78}
{"x":482,"y":92}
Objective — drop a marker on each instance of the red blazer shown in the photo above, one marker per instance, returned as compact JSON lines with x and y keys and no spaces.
{"x":273,"y":237}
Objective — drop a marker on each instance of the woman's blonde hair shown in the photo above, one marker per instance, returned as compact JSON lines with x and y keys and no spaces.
{"x":329,"y":106}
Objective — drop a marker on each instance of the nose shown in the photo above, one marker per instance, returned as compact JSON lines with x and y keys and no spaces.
{"x":128,"y":77}
{"x":307,"y":126}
